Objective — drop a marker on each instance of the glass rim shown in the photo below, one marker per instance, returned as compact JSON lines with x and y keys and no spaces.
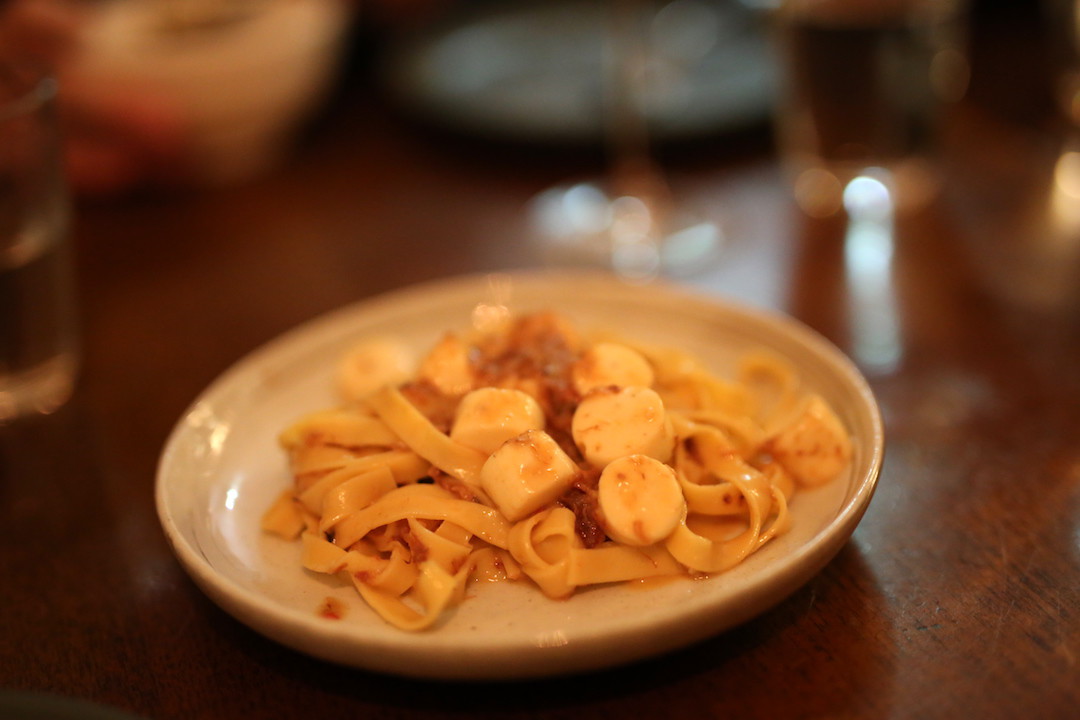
{"x":32,"y":88}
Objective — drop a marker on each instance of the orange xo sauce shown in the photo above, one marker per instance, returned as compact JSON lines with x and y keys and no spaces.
{"x":331,"y":609}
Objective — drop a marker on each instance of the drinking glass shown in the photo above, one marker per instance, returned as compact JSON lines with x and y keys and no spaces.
{"x":865,"y":85}
{"x":630,"y":220}
{"x":37,"y":328}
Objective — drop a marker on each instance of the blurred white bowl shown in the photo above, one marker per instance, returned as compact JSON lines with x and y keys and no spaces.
{"x":242,"y":74}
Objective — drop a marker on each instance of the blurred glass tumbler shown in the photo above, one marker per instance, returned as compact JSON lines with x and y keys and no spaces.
{"x":865,"y":82}
{"x":37,"y":333}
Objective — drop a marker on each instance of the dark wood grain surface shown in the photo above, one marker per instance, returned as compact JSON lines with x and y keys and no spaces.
{"x":958,"y":596}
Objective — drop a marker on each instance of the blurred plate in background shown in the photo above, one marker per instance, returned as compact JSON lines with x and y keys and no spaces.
{"x":537,"y":71}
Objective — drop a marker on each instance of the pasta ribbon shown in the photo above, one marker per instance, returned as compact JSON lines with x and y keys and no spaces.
{"x":436,"y":591}
{"x":774,"y":384}
{"x":447,"y":552}
{"x":311,"y":497}
{"x":311,"y":462}
{"x":494,"y":564}
{"x":425,"y":439}
{"x":283,"y":518}
{"x":741,"y":431}
{"x":321,"y":556}
{"x":542,"y":543}
{"x":341,"y":427}
{"x":354,"y":494}
{"x":710,"y":556}
{"x":393,"y":575}
{"x":721,"y":490}
{"x":427,"y":502}
{"x":611,"y":563}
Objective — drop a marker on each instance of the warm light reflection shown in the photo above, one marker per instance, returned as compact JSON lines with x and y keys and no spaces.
{"x":635,"y":252}
{"x":581,"y":209}
{"x":818,"y":192}
{"x":868,"y":253}
{"x":638,"y":237}
{"x":493,"y":313}
{"x":203,"y":418}
{"x":1046,"y":272}
{"x":1067,"y":176}
{"x":689,"y":246}
{"x":950,"y":74}
{"x":571,"y":224}
{"x":216,"y":439}
{"x":488,"y":318}
{"x":552,"y":639}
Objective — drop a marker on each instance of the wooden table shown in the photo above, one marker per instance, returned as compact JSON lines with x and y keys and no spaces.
{"x":959,"y":595}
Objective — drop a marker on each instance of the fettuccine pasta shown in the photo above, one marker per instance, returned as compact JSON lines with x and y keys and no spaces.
{"x":529,"y":452}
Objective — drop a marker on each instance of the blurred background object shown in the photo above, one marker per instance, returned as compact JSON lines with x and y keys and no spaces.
{"x":540,"y":71}
{"x":620,"y":75}
{"x":227,"y":83}
{"x":865,"y":85}
{"x":631,"y":219}
{"x":38,"y":346}
{"x":1014,"y":157}
{"x":181,"y":91}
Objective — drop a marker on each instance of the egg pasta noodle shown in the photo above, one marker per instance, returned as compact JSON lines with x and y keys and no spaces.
{"x":527,"y":451}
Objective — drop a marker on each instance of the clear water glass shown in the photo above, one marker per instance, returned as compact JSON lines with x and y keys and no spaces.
{"x":38,"y":335}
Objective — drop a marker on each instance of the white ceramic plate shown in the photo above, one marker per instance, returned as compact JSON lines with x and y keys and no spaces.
{"x":221,"y":468}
